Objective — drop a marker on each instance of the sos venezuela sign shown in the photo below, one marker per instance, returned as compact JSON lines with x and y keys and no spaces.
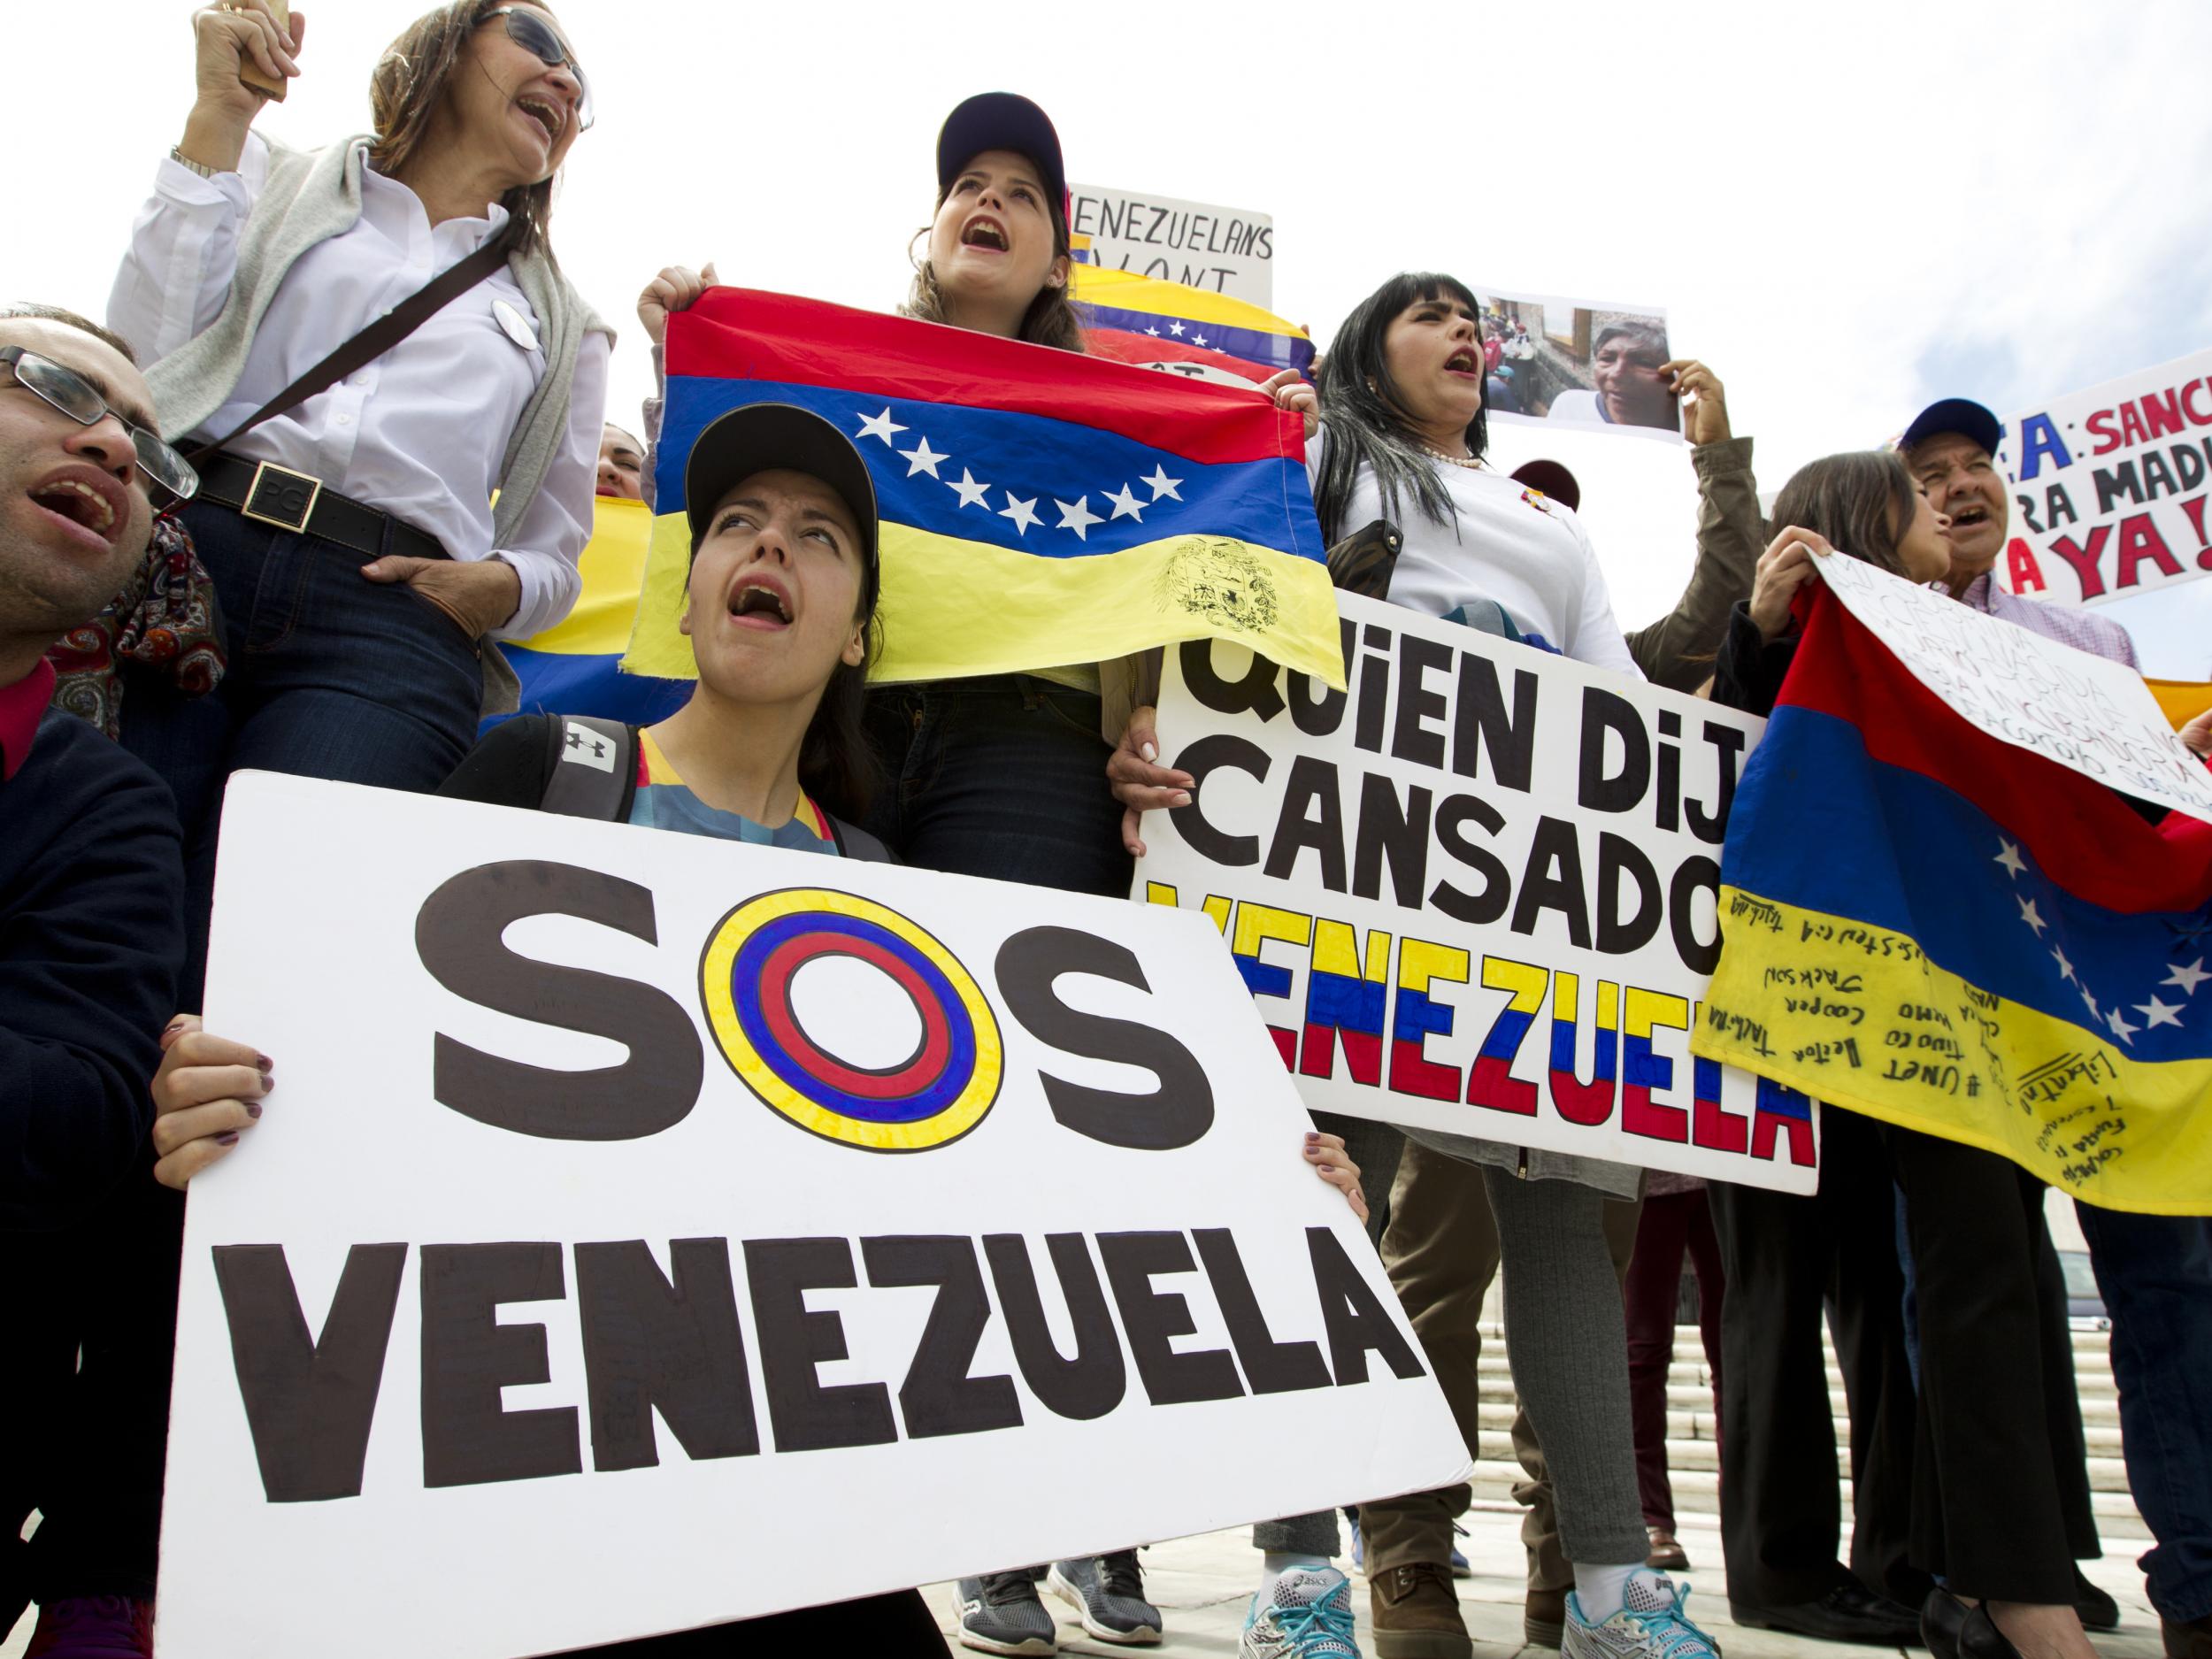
{"x":634,"y":1204}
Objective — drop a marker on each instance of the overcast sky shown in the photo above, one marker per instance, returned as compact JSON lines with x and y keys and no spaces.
{"x":1846,"y":211}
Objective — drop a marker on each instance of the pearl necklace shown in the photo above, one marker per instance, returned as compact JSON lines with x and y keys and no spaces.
{"x":1455,"y":460}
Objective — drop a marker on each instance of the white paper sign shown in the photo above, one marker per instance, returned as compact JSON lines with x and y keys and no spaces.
{"x":2080,"y":709}
{"x":1477,"y":894}
{"x":570,"y":1291}
{"x":1221,"y":249}
{"x":2110,"y":487}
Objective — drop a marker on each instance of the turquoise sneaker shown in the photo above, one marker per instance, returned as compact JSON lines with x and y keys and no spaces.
{"x":1651,"y":1624}
{"x":1309,"y":1617}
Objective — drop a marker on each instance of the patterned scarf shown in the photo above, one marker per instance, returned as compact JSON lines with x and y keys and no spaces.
{"x":165,"y":620}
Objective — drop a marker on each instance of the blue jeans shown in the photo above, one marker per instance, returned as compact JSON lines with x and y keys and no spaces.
{"x":2155,"y":1275}
{"x":331,"y":675}
{"x":1001,"y":776}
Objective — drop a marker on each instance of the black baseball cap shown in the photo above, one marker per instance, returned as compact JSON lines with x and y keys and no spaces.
{"x":775,"y":438}
{"x":1962,"y":415}
{"x":1002,"y":121}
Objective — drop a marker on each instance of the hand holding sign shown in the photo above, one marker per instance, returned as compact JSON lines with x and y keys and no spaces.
{"x":1784,"y":567}
{"x":1141,"y":783}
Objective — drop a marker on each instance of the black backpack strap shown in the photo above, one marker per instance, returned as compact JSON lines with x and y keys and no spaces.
{"x":592,"y":771}
{"x":854,"y":842}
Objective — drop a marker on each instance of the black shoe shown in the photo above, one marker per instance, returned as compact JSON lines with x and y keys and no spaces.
{"x":1850,"y":1612}
{"x":2193,"y":1641}
{"x":1940,"y":1617}
{"x":999,"y":1614}
{"x":1980,"y":1639}
{"x":2096,"y":1611}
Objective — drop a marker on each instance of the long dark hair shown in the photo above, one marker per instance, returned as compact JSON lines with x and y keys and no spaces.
{"x":1861,"y":501}
{"x":408,"y":88}
{"x":1050,"y":320}
{"x":1365,"y":423}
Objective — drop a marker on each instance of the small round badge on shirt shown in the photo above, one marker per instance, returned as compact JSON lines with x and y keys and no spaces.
{"x":515,"y":324}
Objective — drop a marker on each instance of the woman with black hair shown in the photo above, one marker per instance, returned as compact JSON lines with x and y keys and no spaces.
{"x":1400,"y":432}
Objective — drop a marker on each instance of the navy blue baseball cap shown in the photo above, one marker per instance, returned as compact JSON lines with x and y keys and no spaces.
{"x":1002,"y":121}
{"x":1962,"y":415}
{"x":781,"y":437}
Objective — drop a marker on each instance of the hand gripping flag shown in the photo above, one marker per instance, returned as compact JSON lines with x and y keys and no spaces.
{"x":1929,"y":926}
{"x":574,"y":667}
{"x":1040,"y":508}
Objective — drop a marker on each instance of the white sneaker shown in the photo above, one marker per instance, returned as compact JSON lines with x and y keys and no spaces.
{"x":1309,"y":1616}
{"x":1650,"y":1625}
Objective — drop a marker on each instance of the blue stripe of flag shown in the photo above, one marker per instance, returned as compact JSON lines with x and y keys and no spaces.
{"x":1068,"y":473}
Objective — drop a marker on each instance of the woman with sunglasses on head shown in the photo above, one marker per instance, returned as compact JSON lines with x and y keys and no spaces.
{"x":356,"y":555}
{"x":350,"y":526}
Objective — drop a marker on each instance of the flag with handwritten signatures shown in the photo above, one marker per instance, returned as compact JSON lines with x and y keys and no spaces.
{"x":1038,"y":508}
{"x":1931,"y":926}
{"x":1164,"y":325}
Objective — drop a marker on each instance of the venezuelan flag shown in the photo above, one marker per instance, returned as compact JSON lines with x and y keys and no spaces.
{"x":1038,"y":508}
{"x":1929,"y":926}
{"x":1130,"y":313}
{"x":2182,"y":700}
{"x":574,"y":667}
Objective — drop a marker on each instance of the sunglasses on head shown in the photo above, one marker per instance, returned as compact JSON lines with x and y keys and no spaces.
{"x":529,"y":30}
{"x":68,"y":391}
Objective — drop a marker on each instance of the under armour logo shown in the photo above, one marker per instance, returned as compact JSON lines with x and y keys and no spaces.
{"x":587,"y":748}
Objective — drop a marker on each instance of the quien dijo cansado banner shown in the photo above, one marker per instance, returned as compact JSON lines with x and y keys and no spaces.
{"x":637,"y":1214}
{"x":1475,"y":892}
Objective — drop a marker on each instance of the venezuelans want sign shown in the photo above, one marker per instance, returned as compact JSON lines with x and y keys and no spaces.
{"x":2109,"y":486}
{"x":635,"y":1205}
{"x":1040,"y":508}
{"x":1477,"y":894}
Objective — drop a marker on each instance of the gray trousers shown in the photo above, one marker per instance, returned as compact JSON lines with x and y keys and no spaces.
{"x":1376,"y":1147}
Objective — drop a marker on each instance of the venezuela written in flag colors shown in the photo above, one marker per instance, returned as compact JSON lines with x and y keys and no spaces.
{"x":1929,"y":926}
{"x":1038,"y":508}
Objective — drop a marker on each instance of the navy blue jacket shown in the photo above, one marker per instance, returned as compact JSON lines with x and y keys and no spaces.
{"x":91,"y":936}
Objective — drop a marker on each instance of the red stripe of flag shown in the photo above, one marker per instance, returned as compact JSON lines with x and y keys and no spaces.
{"x":2084,"y":837}
{"x":1124,"y":345}
{"x":747,"y":335}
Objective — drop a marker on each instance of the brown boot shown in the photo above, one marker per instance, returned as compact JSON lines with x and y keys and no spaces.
{"x":1415,"y":1612}
{"x":1544,"y":1617}
{"x":2193,"y":1641}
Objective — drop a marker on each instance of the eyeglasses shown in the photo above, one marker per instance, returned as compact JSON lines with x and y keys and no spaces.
{"x":78,"y":398}
{"x":528,"y":29}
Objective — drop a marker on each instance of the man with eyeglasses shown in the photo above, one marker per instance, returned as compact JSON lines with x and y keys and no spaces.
{"x":91,"y":883}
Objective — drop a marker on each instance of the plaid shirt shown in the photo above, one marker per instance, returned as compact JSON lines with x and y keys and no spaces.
{"x":2082,"y":629}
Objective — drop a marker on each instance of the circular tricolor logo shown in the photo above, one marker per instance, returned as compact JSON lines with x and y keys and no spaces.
{"x":934,"y":1096}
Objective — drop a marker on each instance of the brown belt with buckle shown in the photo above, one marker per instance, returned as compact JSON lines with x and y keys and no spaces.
{"x":299,"y":502}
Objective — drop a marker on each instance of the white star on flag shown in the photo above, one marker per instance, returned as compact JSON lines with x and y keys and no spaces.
{"x":1162,"y":484}
{"x":1199,"y":339}
{"x":2120,"y":1026}
{"x":2065,"y":968}
{"x":2086,"y":997}
{"x":1125,"y":503}
{"x":879,"y":425}
{"x":1154,"y":333}
{"x":2029,"y":915}
{"x":1176,"y":329}
{"x":971,"y":493}
{"x":923,"y":459}
{"x":2010,"y":857}
{"x":1077,"y":515}
{"x":2189,"y":978}
{"x":1022,"y":512}
{"x":2158,"y":1012}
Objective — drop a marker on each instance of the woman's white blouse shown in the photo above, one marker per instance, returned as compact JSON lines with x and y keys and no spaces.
{"x":422,"y":430}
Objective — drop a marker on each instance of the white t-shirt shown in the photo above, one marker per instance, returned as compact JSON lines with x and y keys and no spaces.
{"x":1510,"y":544}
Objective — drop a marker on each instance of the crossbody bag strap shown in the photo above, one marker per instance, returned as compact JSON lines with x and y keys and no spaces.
{"x":377,"y":338}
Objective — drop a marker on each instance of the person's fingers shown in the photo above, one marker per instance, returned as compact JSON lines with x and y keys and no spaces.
{"x":393,"y":567}
{"x":1139,"y":734}
{"x":192,"y":1086}
{"x":198,"y":1122}
{"x":706,"y":279}
{"x":177,"y":1029}
{"x":193,"y":1045}
{"x":178,"y":1169}
{"x":1124,"y":767}
{"x":1147,"y":798}
{"x":299,"y":31}
{"x":1276,"y":382}
{"x":1132,"y":820}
